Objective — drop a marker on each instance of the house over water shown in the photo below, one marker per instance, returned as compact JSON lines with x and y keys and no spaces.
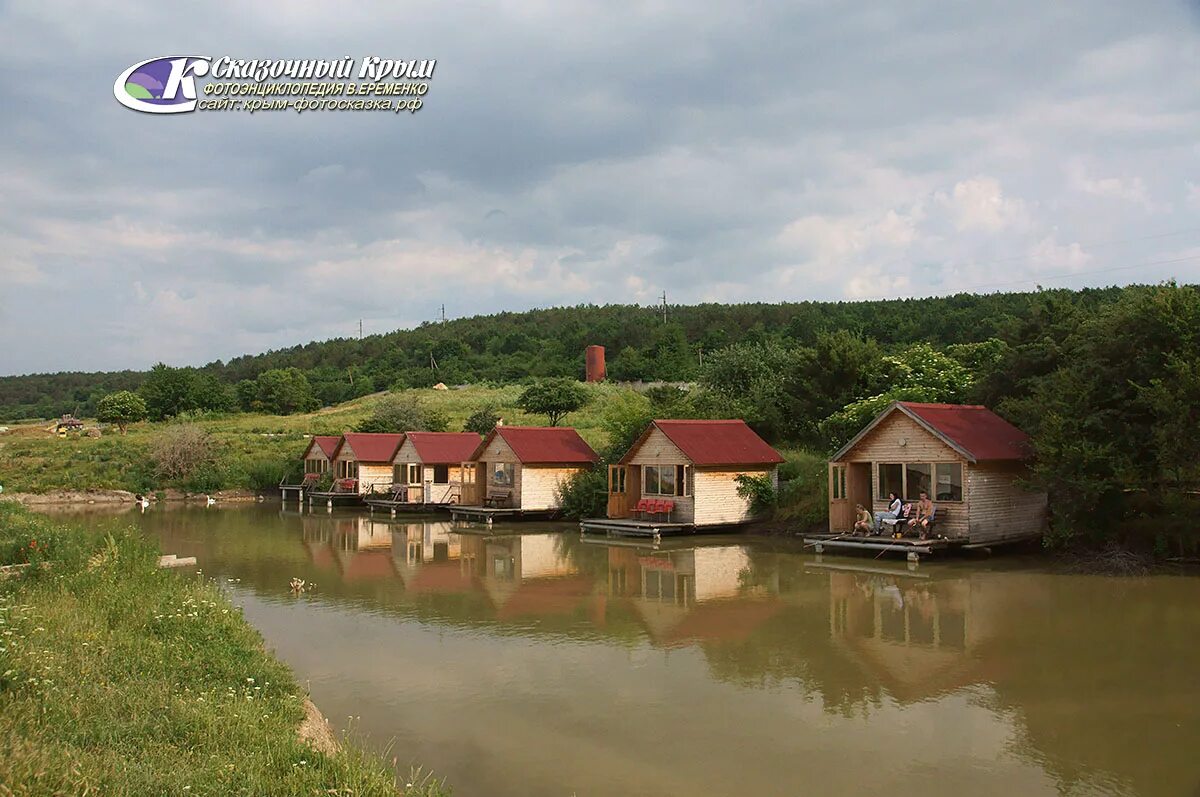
{"x":430,"y":465}
{"x":968,"y":459}
{"x":521,"y":467}
{"x":319,"y":453}
{"x":687,"y":471}
{"x":366,"y":459}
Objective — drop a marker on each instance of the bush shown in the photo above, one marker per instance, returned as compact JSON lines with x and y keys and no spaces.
{"x":396,"y":414}
{"x":483,"y":420}
{"x":267,"y":473}
{"x":759,"y":491}
{"x":585,"y":494}
{"x":181,"y":451}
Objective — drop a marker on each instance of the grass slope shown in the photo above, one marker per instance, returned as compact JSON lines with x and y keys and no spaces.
{"x":117,"y":677}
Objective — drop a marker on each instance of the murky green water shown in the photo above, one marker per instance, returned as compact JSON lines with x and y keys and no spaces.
{"x":529,"y":662}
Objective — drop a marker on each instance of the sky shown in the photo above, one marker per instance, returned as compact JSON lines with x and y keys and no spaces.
{"x":580,"y":152}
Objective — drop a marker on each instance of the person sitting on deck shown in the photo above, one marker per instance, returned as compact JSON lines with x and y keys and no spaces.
{"x":893,"y":512}
{"x":864,"y":524}
{"x":925,"y":510}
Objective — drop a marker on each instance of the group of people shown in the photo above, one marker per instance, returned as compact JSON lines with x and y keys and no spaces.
{"x":916,"y":515}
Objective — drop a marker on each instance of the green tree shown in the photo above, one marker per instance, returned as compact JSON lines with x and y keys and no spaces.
{"x":167,"y":392}
{"x":396,"y":414}
{"x":121,"y":408}
{"x":555,"y":398}
{"x":483,"y":420}
{"x":284,"y":391}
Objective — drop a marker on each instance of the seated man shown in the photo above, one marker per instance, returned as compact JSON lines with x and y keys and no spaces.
{"x":892,"y":513}
{"x":925,"y":510}
{"x":864,"y":523}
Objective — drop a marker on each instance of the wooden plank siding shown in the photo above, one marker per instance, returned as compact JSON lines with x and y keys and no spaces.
{"x":657,"y":449}
{"x":441,"y":492}
{"x":717,"y":501}
{"x":377,"y":475}
{"x":1000,"y":509}
{"x":540,"y":483}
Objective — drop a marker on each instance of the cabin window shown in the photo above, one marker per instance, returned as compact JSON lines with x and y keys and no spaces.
{"x":503,"y":474}
{"x":616,"y":479}
{"x":891,"y":480}
{"x":347,"y":469}
{"x":397,"y":474}
{"x":441,"y":474}
{"x":665,"y":480}
{"x":414,"y":473}
{"x":838,"y":488}
{"x":949,"y":485}
{"x":917,"y":480}
{"x":316,"y":465}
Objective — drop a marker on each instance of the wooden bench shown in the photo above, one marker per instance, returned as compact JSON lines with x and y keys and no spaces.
{"x":498,"y":499}
{"x":346,"y":486}
{"x":939,"y":516}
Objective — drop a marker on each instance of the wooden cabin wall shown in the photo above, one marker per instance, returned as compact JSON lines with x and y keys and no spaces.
{"x":540,"y":483}
{"x":1000,"y":509}
{"x":499,"y":451}
{"x":375,"y":475}
{"x":717,"y":501}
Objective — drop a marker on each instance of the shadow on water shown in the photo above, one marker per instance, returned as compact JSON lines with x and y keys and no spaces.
{"x":529,"y":661}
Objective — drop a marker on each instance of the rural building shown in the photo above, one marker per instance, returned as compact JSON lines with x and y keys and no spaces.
{"x":319,"y":453}
{"x":367,"y":459}
{"x":968,"y":459}
{"x":521,"y":467}
{"x":690,"y":467}
{"x":430,"y":466}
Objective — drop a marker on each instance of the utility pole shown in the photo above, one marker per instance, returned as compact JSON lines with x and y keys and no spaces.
{"x":701,"y":350}
{"x":360,"y":329}
{"x":443,"y":313}
{"x":432,"y":362}
{"x":664,"y":306}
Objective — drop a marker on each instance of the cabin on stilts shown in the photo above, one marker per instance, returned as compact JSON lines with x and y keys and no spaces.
{"x":517,"y":471}
{"x":362,"y":462}
{"x":967,"y":459}
{"x":317,"y":457}
{"x":427,"y":468}
{"x":683,"y":475}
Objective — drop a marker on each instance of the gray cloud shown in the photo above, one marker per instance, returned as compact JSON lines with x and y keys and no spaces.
{"x":571,"y":153}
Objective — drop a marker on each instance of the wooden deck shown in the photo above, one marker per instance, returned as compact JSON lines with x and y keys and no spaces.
{"x":629,"y":527}
{"x":393,"y":506}
{"x":911,"y":547}
{"x":334,"y":498}
{"x":488,"y":514}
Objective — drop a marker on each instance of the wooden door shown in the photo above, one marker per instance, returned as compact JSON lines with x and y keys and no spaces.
{"x":841,"y":511}
{"x":618,"y":495}
{"x":469,"y":494}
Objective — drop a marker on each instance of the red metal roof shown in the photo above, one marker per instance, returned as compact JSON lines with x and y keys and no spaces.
{"x":368,"y":447}
{"x":708,"y":443}
{"x":974,"y":428}
{"x":328,"y":443}
{"x":444,"y":448}
{"x":543,"y":445}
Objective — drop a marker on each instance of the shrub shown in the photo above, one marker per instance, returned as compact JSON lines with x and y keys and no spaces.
{"x":483,"y":420}
{"x":396,"y":414}
{"x":181,"y":451}
{"x":584,"y":494}
{"x":758,"y":490}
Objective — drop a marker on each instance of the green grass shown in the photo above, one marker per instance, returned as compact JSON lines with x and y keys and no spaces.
{"x":253,"y":448}
{"x":117,"y":677}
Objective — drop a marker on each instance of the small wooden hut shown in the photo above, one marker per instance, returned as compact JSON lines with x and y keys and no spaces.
{"x":430,"y":465}
{"x":319,"y":454}
{"x":690,"y":469}
{"x":366,"y":460}
{"x":969,"y":460}
{"x":521,"y":467}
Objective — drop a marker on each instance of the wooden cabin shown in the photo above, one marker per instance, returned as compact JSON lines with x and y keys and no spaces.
{"x":968,"y":459}
{"x":366,"y":459}
{"x":430,"y":466}
{"x":692,"y":467}
{"x":319,"y":454}
{"x":521,"y":467}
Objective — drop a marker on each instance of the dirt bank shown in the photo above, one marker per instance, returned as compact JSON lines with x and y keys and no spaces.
{"x":117,"y":497}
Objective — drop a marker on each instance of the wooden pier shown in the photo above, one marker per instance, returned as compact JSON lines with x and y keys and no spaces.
{"x":912,"y":547}
{"x":487,"y":514}
{"x":629,"y":527}
{"x":394,"y":506}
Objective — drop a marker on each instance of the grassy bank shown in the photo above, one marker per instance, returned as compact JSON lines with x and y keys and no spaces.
{"x":253,"y":450}
{"x":117,"y":677}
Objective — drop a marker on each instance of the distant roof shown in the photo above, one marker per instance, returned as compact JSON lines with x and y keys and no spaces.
{"x":542,"y":445}
{"x":369,"y":447}
{"x":708,"y":443}
{"x":328,"y":443}
{"x":970,"y":429}
{"x":444,"y":447}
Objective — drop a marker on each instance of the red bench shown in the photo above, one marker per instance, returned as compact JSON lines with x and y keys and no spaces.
{"x":652,"y":506}
{"x":310,"y":479}
{"x":347,"y":485}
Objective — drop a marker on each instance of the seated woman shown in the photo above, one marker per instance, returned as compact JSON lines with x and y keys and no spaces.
{"x":924,"y":515}
{"x":864,"y":524}
{"x":893,"y":512}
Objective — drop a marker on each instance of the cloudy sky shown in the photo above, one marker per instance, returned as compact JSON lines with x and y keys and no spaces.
{"x":569,"y":152}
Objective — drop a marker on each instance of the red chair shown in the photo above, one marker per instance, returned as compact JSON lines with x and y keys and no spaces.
{"x":643,"y":506}
{"x":666,"y":507}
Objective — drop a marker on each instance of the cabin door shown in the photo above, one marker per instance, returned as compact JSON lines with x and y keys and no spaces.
{"x":841,"y":511}
{"x":469,"y":492}
{"x":618,"y":494}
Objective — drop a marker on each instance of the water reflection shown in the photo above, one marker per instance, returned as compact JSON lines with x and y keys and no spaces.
{"x":537,"y":663}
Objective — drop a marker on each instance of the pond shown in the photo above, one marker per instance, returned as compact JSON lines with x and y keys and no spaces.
{"x":527,"y":661}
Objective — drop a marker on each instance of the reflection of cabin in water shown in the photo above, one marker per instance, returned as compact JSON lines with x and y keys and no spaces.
{"x":430,"y":558}
{"x":968,"y":459}
{"x":684,"y":475}
{"x":363,"y":461}
{"x":522,"y":467}
{"x":532,"y":574}
{"x":429,"y":465}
